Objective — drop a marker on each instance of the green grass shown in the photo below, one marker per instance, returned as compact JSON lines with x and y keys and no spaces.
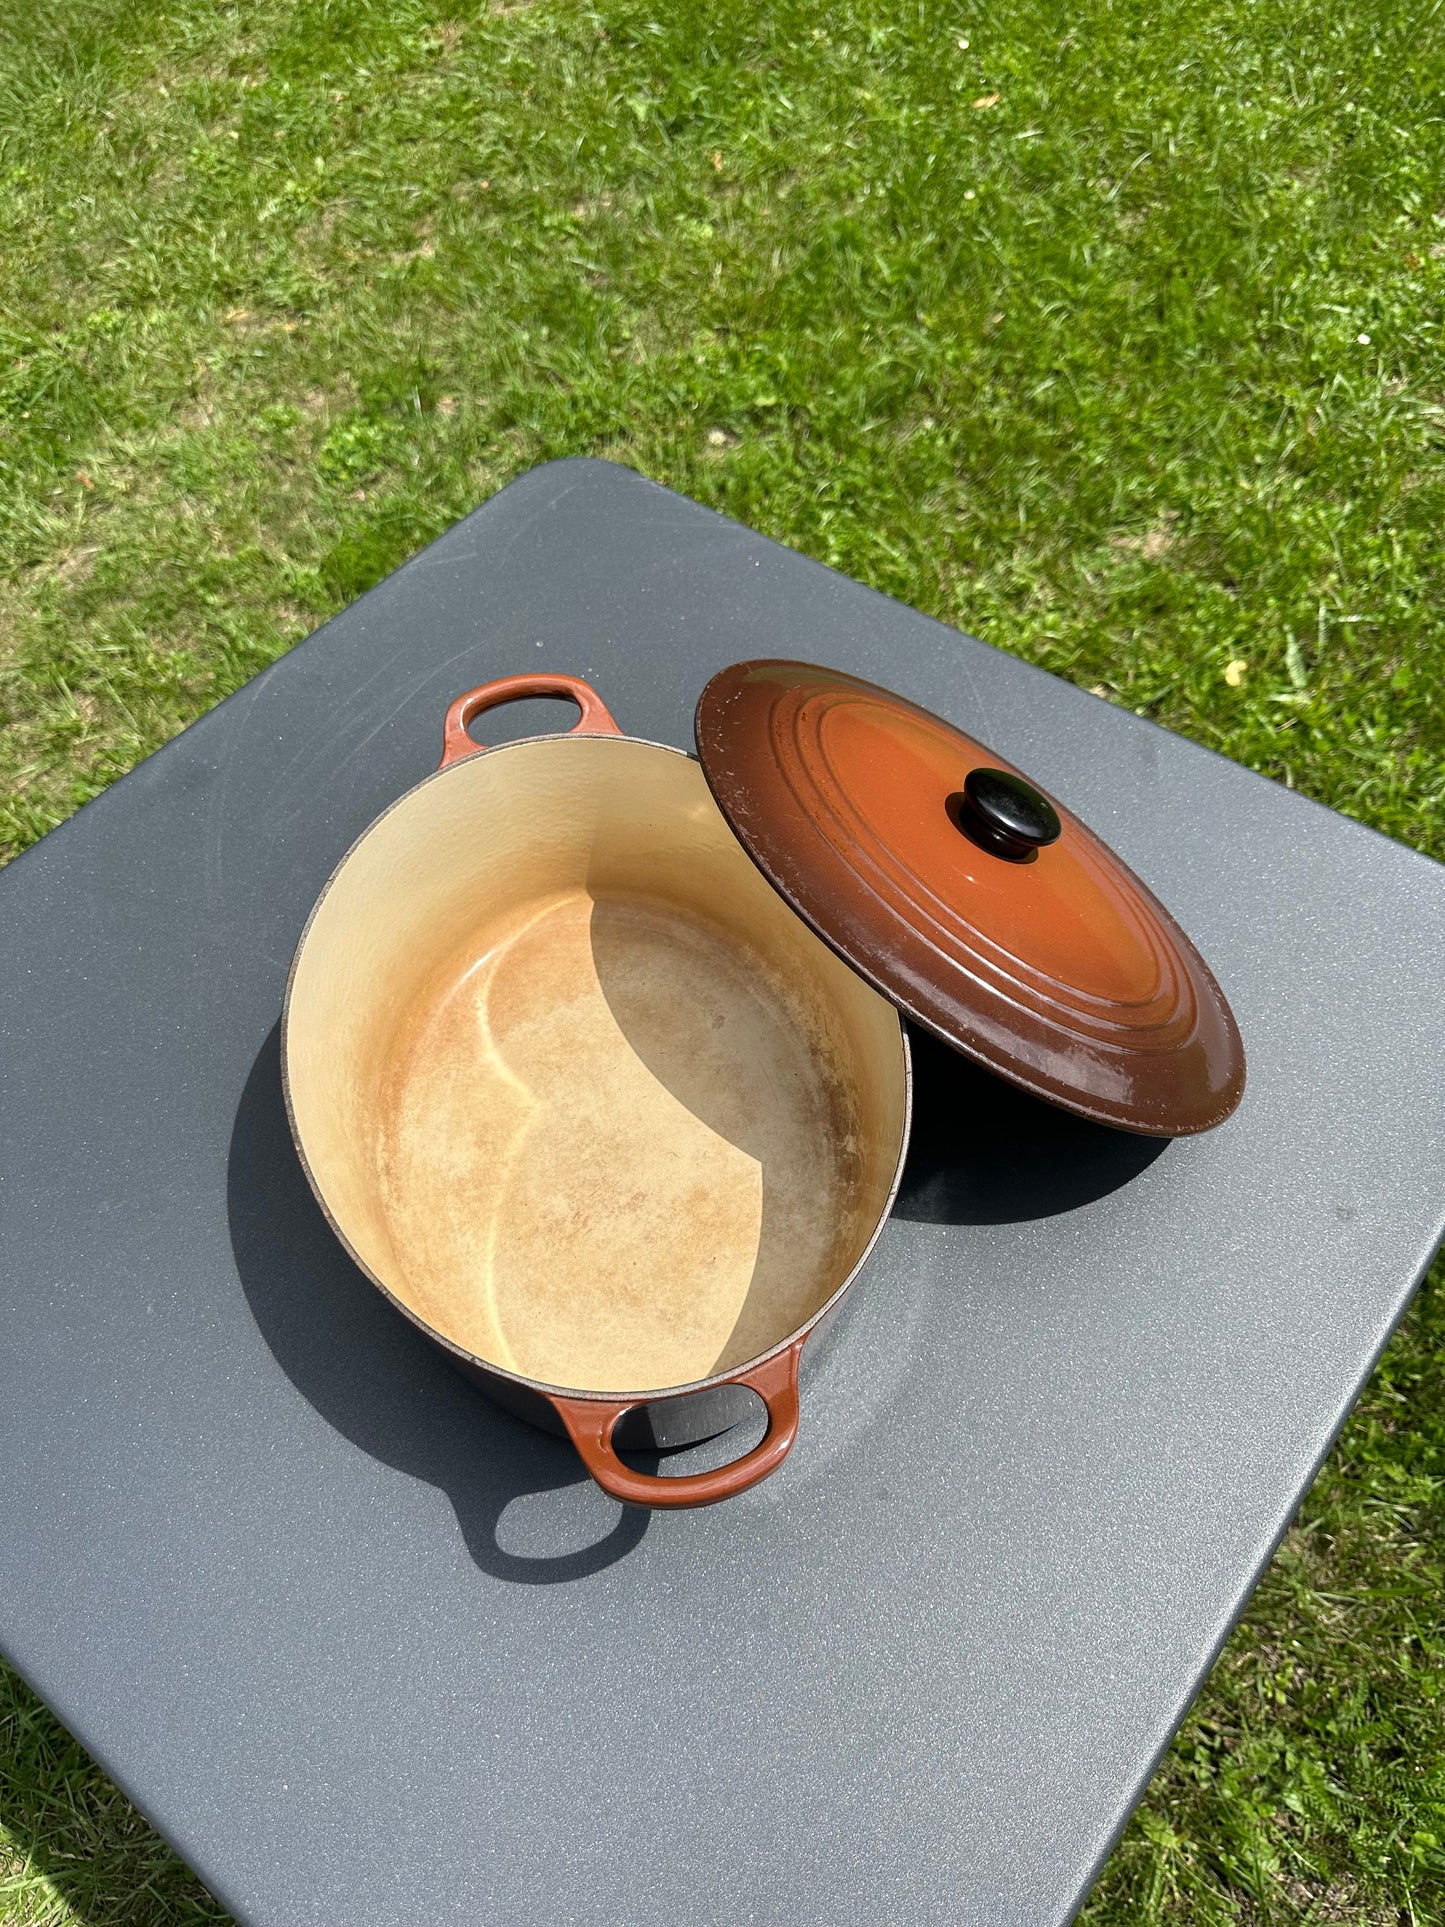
{"x":1136,"y":369}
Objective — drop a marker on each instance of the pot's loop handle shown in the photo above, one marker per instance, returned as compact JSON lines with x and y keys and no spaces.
{"x":457,"y":742}
{"x":591,"y":1422}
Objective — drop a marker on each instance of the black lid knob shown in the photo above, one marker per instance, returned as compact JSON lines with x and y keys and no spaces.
{"x":1004,"y":814}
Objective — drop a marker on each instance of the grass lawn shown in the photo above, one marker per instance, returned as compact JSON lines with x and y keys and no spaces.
{"x":1110,"y":331}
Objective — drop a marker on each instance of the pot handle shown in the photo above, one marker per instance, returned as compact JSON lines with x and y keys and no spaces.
{"x":591,"y":1422}
{"x":595,"y":719}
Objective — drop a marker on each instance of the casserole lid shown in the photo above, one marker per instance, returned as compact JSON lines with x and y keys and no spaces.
{"x":982,"y":908}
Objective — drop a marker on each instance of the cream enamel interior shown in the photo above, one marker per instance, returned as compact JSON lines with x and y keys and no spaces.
{"x":574,"y":1083}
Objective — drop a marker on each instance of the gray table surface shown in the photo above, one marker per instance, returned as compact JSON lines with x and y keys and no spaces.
{"x":371,"y":1654}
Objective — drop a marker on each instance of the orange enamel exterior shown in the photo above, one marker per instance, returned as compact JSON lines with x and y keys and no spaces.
{"x":1062,"y":973}
{"x":457,"y":742}
{"x":591,"y":1423}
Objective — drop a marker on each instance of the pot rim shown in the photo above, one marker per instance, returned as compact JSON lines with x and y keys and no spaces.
{"x":646,"y":1397}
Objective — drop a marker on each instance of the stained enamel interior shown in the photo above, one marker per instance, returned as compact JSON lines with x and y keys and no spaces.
{"x":576,"y":1085}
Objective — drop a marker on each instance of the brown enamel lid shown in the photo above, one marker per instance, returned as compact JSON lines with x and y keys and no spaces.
{"x":983,"y":910}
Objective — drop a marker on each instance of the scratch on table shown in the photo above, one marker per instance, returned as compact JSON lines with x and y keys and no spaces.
{"x":429,"y":559}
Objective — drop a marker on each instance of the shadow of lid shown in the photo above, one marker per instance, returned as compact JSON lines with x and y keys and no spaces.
{"x":985,"y":1152}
